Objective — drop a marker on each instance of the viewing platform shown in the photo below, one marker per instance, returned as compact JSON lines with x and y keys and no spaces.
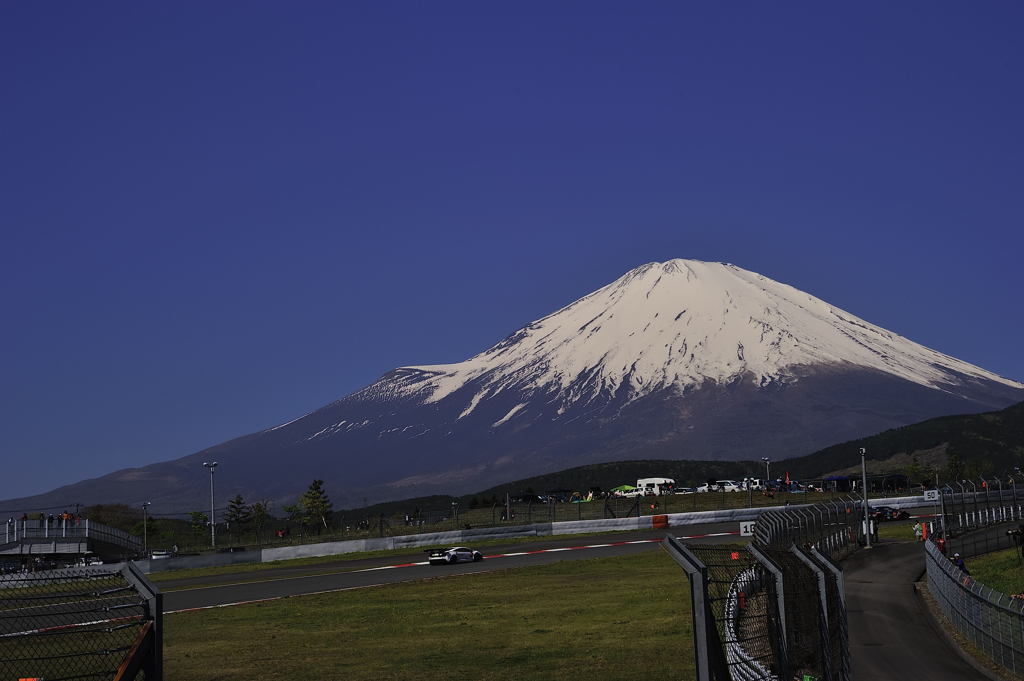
{"x":67,"y":537}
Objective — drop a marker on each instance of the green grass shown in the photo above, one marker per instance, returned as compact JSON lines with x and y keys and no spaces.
{"x":1002,"y":571}
{"x":593,"y":618}
{"x":896,"y":530}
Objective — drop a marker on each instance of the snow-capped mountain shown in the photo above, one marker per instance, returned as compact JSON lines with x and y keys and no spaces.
{"x":682,"y":359}
{"x":679,"y":325}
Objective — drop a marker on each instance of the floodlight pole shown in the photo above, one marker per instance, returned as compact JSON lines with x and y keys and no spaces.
{"x":767,"y":474}
{"x":145,"y":529}
{"x":864,"y":482}
{"x":212,"y":465}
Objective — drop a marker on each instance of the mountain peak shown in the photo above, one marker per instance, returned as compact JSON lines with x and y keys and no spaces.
{"x":678,"y":324}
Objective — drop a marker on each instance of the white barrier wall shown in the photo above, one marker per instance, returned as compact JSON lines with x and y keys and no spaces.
{"x":604,"y":524}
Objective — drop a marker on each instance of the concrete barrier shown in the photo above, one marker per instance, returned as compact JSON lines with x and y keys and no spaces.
{"x":202,"y":560}
{"x":723,"y":516}
{"x":480,"y":533}
{"x":601,"y":525}
{"x":333,"y":548}
{"x":427,"y":539}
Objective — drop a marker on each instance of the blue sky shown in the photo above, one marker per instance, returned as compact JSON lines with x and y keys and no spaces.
{"x":220,"y":216}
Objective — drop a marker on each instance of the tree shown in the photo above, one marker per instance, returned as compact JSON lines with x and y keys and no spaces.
{"x":238,"y":514}
{"x":199,"y":522}
{"x":297,"y":515}
{"x":954,"y":465}
{"x":315,"y":504}
{"x":259,"y":512}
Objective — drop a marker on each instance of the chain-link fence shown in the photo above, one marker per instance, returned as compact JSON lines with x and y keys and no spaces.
{"x":80,"y":623}
{"x":963,"y":512}
{"x":975,"y":520}
{"x":774,"y":610}
{"x":991,"y":620}
{"x":833,"y":528}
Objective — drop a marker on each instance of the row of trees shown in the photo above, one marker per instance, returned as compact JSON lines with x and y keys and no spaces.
{"x":310,"y":512}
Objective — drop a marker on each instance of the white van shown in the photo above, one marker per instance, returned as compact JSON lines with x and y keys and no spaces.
{"x":656,"y":485}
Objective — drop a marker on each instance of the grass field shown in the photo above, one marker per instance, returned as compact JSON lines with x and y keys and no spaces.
{"x":1002,"y":571}
{"x":593,"y":618}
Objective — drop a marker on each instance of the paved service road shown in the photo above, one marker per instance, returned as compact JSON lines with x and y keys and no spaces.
{"x":366,"y":572}
{"x":892,"y":636}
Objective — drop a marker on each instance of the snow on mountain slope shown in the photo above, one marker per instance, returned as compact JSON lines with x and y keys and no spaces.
{"x":679,"y":324}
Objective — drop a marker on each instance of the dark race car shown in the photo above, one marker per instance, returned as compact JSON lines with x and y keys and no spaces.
{"x":456,"y":554}
{"x":880,"y":513}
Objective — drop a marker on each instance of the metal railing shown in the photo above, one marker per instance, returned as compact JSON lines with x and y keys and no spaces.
{"x":67,"y":530}
{"x":991,"y":620}
{"x":80,"y":623}
{"x":973,"y":523}
{"x":962,"y":512}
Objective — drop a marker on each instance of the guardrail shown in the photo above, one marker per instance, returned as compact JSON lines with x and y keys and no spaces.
{"x":65,"y":530}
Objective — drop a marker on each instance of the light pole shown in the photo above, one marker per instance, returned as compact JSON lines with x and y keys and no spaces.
{"x":212,"y":465}
{"x":767,"y":474}
{"x":864,"y":482}
{"x":145,"y":529}
{"x":976,"y":518}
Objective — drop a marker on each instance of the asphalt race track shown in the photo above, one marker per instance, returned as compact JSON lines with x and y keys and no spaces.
{"x":361,"y":573}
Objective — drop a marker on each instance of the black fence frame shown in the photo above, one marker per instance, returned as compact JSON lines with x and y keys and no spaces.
{"x":793,"y":565}
{"x":81,"y":623}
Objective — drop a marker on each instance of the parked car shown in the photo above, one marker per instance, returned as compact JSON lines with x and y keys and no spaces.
{"x":880,"y":513}
{"x":721,"y":486}
{"x":685,"y":490}
{"x":455,"y":554}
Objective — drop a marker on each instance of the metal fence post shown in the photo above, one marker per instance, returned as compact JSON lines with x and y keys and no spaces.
{"x":697,"y":573}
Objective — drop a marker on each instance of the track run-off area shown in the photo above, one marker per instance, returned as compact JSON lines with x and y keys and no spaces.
{"x":191,"y":594}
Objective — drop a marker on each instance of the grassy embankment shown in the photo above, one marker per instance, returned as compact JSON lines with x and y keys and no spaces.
{"x":1002,"y":571}
{"x":594,"y":618}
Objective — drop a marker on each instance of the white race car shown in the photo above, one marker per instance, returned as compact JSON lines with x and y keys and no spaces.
{"x":456,"y":554}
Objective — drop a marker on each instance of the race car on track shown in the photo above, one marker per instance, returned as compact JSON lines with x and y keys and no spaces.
{"x":880,"y":513}
{"x":456,"y":554}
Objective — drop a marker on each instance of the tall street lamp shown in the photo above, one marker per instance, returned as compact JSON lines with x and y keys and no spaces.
{"x":864,"y":482}
{"x":145,"y":529}
{"x":212,"y":465}
{"x":767,"y":474}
